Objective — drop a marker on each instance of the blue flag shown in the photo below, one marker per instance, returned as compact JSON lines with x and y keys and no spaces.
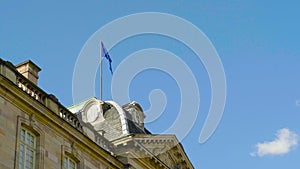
{"x":106,"y":55}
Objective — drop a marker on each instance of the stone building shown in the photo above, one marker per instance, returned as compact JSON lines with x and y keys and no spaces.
{"x":38,"y":132}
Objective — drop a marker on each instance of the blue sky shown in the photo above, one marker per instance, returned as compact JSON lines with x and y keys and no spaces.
{"x":258,"y":44}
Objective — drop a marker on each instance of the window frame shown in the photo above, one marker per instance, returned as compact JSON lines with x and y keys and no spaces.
{"x":31,"y":126}
{"x":27,"y":147}
{"x":69,"y":150}
{"x":69,"y":161}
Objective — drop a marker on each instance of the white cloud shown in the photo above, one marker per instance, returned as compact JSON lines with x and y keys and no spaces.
{"x":285,"y":141}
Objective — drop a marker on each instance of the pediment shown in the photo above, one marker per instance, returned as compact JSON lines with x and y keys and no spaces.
{"x":165,"y":147}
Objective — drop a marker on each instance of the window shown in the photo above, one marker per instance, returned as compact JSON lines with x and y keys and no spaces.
{"x":29,"y":145}
{"x":69,"y":163}
{"x":27,"y":149}
{"x":70,"y":157}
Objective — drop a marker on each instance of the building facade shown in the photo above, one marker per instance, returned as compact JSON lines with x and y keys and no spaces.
{"x":38,"y":132}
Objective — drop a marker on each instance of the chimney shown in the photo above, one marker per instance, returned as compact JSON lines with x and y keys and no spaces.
{"x":29,"y":70}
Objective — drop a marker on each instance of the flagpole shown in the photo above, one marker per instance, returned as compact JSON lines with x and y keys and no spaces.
{"x":101,"y":69}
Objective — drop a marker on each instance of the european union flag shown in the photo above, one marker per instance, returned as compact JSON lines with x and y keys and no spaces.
{"x":106,"y":55}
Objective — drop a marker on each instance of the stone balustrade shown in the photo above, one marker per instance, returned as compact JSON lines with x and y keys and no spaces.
{"x":9,"y":71}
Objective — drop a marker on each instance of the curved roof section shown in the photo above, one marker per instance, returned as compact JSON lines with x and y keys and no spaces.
{"x":122,"y":115}
{"x":79,"y":106}
{"x":127,"y":126}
